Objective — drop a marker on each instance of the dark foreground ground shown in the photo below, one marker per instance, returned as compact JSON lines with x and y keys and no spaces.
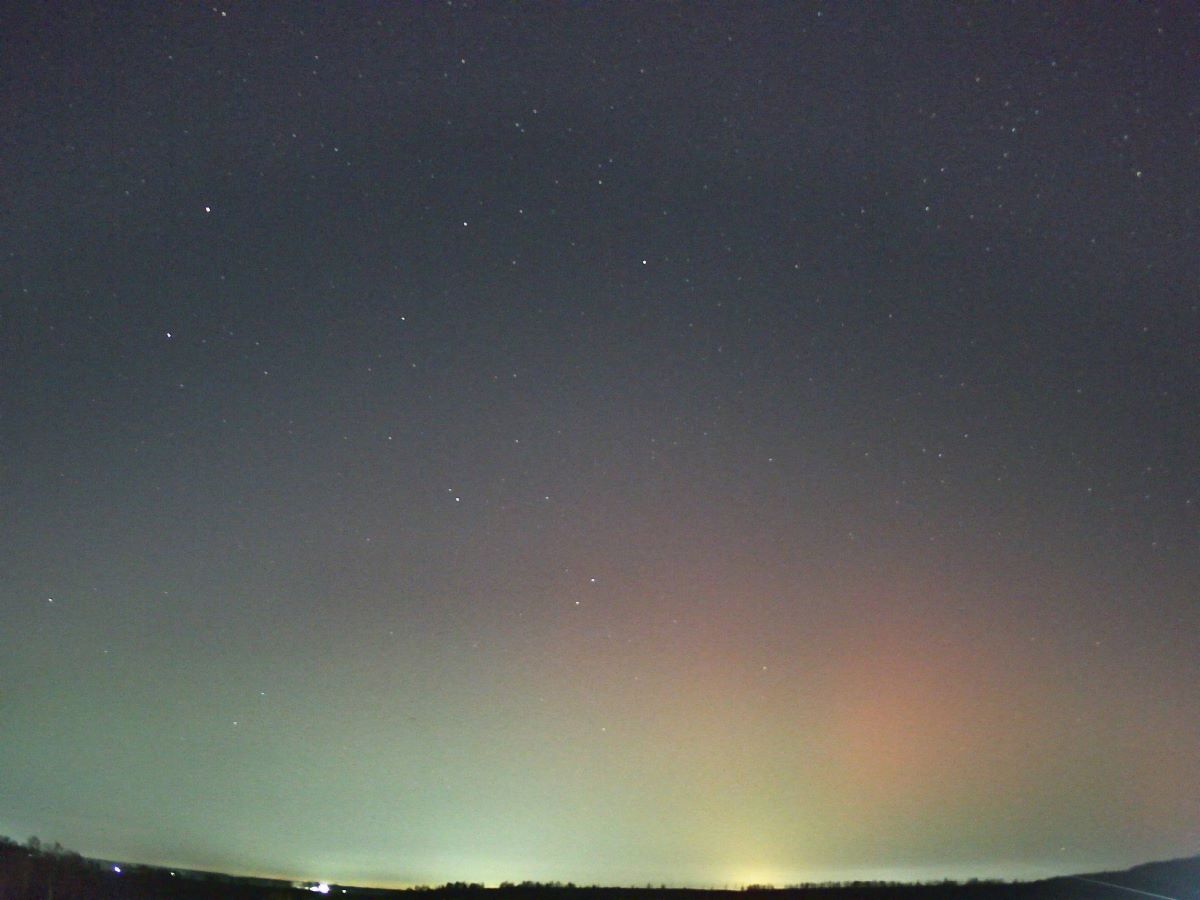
{"x":37,"y":873}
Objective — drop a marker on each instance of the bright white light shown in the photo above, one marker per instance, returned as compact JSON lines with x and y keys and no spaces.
{"x":117,"y":869}
{"x":321,"y":888}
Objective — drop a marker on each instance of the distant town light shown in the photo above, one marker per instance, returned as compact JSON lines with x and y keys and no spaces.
{"x":117,"y":869}
{"x":321,"y":888}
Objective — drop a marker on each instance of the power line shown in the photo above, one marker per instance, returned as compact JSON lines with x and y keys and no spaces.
{"x":1121,"y":887}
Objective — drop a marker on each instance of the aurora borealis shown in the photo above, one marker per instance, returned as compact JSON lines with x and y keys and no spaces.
{"x":700,"y":444}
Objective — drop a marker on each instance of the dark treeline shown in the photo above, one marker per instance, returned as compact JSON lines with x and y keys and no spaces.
{"x":36,"y":871}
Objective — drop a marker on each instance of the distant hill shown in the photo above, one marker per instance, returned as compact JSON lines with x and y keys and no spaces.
{"x":36,"y":872}
{"x":1178,"y":879}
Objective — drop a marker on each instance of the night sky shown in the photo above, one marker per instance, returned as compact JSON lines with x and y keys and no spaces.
{"x":610,"y":442}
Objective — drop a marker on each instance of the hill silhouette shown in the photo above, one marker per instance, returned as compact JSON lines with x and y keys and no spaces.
{"x":33,"y":871}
